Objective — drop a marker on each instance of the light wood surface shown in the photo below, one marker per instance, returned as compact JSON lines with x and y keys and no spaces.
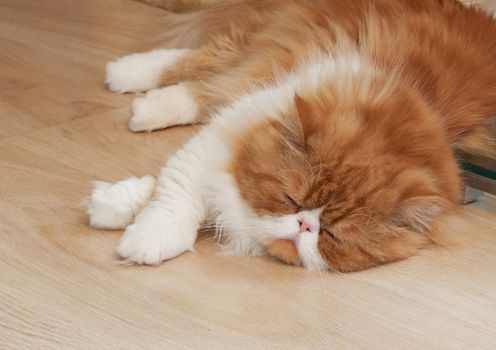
{"x":60,"y":284}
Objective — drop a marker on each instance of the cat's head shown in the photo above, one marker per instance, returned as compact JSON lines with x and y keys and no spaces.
{"x":353,"y":184}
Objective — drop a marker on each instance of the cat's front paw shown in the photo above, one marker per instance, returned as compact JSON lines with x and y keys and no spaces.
{"x":162,"y":108}
{"x":140,"y":71}
{"x":113,"y":205}
{"x":150,"y":243}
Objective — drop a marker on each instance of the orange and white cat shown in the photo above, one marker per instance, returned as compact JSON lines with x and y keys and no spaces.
{"x":329,"y":128}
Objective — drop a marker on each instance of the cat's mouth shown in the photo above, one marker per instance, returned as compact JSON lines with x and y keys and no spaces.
{"x":304,"y":226}
{"x":295,"y":237}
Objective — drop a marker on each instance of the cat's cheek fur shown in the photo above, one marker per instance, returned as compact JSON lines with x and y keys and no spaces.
{"x":140,"y":71}
{"x":285,"y":250}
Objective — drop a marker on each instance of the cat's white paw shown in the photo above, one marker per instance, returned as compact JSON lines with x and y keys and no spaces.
{"x":113,"y":205}
{"x":151,"y":242}
{"x":140,"y":71}
{"x":161,"y":108}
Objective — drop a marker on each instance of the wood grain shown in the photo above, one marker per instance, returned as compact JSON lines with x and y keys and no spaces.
{"x":60,"y":284}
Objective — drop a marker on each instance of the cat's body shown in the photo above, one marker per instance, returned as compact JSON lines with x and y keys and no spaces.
{"x":331,"y":126}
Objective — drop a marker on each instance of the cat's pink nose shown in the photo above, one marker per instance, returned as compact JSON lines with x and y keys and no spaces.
{"x":304,"y":226}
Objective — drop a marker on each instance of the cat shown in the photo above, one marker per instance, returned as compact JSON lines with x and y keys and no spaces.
{"x":330,"y":128}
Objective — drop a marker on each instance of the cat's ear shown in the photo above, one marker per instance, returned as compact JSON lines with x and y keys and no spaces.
{"x":307,"y":117}
{"x":419,"y":212}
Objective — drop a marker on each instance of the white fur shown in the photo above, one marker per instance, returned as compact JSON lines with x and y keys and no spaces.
{"x":155,"y":236}
{"x":168,"y":225}
{"x":306,"y":244}
{"x":195,"y":181}
{"x":161,"y":108}
{"x":140,"y":71}
{"x":112,"y":206}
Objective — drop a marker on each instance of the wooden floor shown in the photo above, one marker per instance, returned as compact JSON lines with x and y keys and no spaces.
{"x":60,"y":284}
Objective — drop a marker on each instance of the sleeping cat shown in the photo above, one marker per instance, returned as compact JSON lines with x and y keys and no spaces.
{"x":329,"y":128}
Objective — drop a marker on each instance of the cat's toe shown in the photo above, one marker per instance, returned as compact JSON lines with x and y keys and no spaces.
{"x":140,"y":248}
{"x":162,"y":108}
{"x":139,"y":253}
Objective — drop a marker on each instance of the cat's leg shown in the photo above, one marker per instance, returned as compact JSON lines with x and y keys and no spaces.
{"x":140,"y":72}
{"x":221,"y":54}
{"x":168,"y":225}
{"x":189,"y":102}
{"x":192,"y":88}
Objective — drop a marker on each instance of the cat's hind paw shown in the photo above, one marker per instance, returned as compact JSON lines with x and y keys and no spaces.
{"x":140,"y":71}
{"x":162,"y":108}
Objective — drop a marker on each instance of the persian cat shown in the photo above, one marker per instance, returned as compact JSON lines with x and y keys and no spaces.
{"x":329,"y":128}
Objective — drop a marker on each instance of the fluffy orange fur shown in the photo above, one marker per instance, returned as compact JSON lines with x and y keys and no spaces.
{"x":375,"y":152}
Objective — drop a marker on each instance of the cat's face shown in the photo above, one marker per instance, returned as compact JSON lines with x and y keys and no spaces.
{"x":348,"y":188}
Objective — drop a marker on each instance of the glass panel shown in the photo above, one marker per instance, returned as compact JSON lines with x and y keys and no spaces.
{"x":480,"y":170}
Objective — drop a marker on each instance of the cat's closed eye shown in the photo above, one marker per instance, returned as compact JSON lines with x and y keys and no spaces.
{"x":330,"y":233}
{"x":292,"y":203}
